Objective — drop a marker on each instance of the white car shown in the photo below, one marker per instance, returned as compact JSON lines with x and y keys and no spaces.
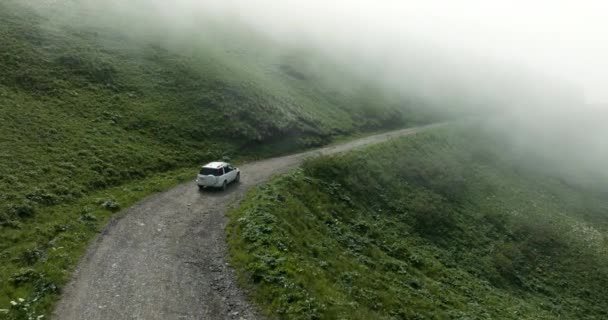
{"x":218,"y":175}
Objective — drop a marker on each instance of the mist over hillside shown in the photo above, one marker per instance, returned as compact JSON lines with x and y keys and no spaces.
{"x":450,"y":66}
{"x":113,"y":103}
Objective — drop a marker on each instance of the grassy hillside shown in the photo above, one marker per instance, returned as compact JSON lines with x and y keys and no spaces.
{"x":95,"y":117}
{"x":105,"y":108}
{"x":442,"y":225}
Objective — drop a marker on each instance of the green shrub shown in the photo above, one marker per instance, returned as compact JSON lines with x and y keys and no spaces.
{"x":25,"y":276}
{"x":110,"y":205}
{"x":43,"y":197}
{"x":23,"y":210}
{"x":31,"y":256}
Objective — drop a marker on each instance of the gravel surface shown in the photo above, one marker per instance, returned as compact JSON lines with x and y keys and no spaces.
{"x":166,"y":257}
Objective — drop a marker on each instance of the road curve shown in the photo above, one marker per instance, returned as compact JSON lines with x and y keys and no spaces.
{"x":166,"y":257}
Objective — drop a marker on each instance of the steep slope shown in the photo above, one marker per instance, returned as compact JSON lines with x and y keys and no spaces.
{"x":110,"y":108}
{"x":447,"y":224}
{"x":95,"y":117}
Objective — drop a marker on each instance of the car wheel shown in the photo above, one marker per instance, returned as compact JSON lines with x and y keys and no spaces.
{"x":224,"y":185}
{"x":201,"y":188}
{"x":238,"y":177}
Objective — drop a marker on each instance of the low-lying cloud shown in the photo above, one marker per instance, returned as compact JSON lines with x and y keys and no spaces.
{"x":542,"y":64}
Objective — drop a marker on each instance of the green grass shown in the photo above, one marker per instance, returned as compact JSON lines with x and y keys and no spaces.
{"x":89,"y":109}
{"x":442,"y":225}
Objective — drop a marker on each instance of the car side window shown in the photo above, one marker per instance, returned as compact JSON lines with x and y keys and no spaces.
{"x":227,"y":169}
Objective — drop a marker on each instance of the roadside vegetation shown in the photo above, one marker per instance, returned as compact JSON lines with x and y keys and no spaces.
{"x":447,"y":224}
{"x":94,"y":118}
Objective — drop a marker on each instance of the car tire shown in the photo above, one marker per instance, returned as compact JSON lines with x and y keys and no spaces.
{"x":224,"y":185}
{"x":201,"y":188}
{"x":238,"y":178}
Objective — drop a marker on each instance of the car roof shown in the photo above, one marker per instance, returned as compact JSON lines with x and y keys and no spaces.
{"x":215,"y":165}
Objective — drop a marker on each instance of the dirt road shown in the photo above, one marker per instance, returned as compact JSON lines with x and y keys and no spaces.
{"x":166,"y":257}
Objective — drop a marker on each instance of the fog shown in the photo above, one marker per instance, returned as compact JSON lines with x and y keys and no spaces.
{"x":563,"y":40}
{"x":540,"y":66}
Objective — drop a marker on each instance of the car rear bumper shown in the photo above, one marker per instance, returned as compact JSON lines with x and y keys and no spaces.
{"x":205,"y":183}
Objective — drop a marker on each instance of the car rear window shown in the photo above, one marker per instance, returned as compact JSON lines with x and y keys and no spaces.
{"x":211,"y":172}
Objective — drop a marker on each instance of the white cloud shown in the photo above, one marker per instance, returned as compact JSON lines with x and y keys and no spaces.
{"x":563,"y":39}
